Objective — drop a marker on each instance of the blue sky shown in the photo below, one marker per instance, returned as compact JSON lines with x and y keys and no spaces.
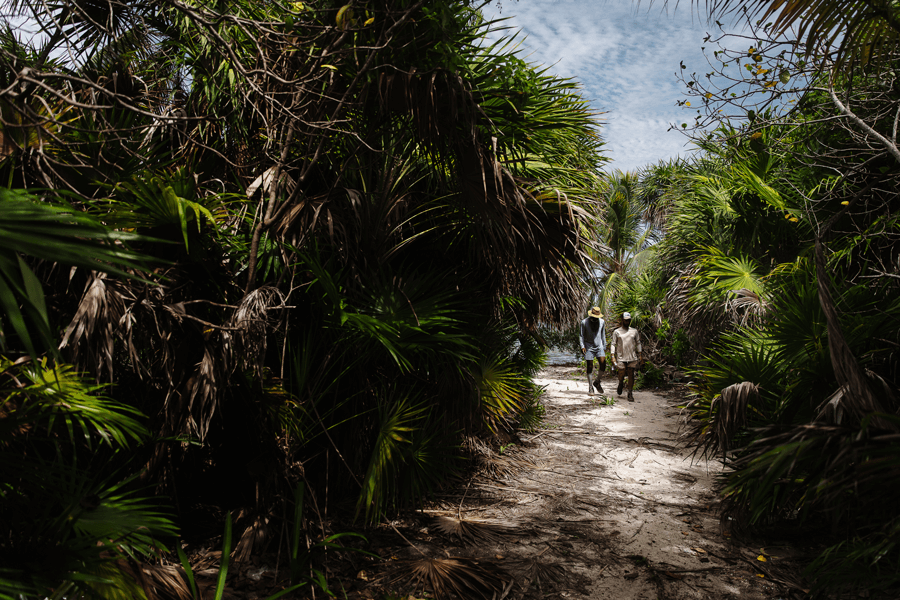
{"x":625,"y":56}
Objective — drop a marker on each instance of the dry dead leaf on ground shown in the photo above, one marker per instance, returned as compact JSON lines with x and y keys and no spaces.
{"x":464,"y":577}
{"x":536,"y":572}
{"x":475,"y":532}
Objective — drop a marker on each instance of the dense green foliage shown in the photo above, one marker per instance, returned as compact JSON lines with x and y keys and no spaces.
{"x":780,"y":269}
{"x":298,"y":246}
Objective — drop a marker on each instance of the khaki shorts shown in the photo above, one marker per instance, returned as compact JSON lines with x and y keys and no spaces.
{"x":631,"y":364}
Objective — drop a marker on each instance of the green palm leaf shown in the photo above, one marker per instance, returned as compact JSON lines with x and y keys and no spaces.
{"x":53,"y":233}
{"x":399,"y":420}
{"x":856,"y":27}
{"x":503,"y":391}
{"x":718,"y":274}
{"x":159,"y":200}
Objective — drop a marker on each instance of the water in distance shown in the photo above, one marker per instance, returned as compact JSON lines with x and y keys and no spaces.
{"x":557,"y":358}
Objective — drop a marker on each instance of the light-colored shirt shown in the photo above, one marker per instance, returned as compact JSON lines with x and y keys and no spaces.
{"x":591,"y":339}
{"x":626,"y":344}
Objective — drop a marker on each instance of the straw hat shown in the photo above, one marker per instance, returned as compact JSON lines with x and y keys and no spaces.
{"x":595,"y":312}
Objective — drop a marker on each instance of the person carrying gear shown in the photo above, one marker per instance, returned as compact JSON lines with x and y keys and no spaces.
{"x":592,"y":339}
{"x":627,"y":353}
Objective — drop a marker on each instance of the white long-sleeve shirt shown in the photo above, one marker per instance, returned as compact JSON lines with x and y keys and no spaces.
{"x":625,"y":345}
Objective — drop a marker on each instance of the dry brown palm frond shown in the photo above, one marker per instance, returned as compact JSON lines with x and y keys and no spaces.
{"x":456,"y":577}
{"x":536,"y":573}
{"x":475,"y":532}
{"x":834,"y":411}
{"x":253,"y":538}
{"x":91,"y":334}
{"x":497,"y":466}
{"x":166,"y":581}
{"x":254,"y":322}
{"x":203,"y":389}
{"x":205,"y":560}
{"x":746,"y":307}
{"x":729,"y":412}
{"x":504,"y":466}
{"x":831,"y":411}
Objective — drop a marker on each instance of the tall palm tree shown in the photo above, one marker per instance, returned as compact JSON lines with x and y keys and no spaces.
{"x":626,"y":239}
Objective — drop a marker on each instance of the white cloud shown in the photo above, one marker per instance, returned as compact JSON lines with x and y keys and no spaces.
{"x":625,"y":58}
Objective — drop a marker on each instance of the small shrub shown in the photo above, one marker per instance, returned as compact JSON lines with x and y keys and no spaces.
{"x":680,"y":347}
{"x":676,"y":345}
{"x":650,"y":376}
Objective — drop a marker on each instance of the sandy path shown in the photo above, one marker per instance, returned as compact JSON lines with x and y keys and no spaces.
{"x":659,"y":503}
{"x":605,"y":505}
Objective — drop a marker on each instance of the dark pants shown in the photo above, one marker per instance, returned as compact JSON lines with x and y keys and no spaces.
{"x":601,"y":364}
{"x":630,"y":372}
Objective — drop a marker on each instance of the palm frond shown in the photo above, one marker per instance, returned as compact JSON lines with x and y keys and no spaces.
{"x":456,"y":576}
{"x":475,"y":532}
{"x":56,"y":397}
{"x":537,"y":573}
{"x":720,"y":274}
{"x":160,"y":200}
{"x":857,"y":28}
{"x":398,"y":421}
{"x":503,"y":391}
{"x":92,"y":332}
{"x":255,"y":323}
{"x":730,"y":410}
{"x":746,"y":307}
{"x":51,"y":233}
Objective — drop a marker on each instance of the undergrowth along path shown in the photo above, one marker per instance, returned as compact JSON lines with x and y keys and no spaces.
{"x":602,"y":502}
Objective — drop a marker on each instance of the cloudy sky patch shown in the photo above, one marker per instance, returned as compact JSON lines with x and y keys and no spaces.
{"x":625,"y":57}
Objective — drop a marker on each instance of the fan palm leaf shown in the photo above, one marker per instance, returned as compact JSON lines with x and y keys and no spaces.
{"x":398,"y":420}
{"x":65,"y":521}
{"x":474,"y":532}
{"x":158,"y":201}
{"x":857,"y":28}
{"x":503,"y":391}
{"x":53,"y":233}
{"x":719,"y":274}
{"x":456,"y":576}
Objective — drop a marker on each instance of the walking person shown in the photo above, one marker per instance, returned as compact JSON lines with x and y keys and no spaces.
{"x":592,"y":338}
{"x":627,"y":353}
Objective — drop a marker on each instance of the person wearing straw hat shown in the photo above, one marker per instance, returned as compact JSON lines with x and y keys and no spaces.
{"x":592,"y":339}
{"x":627,"y":353}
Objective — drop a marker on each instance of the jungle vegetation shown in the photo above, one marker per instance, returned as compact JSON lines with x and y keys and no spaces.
{"x":262,"y":263}
{"x":283,"y":260}
{"x":778,"y":267}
